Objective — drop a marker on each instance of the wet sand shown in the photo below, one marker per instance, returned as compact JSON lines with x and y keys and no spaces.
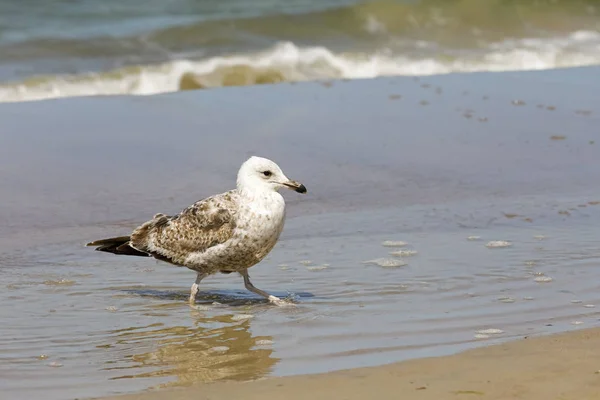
{"x":446,"y":164}
{"x":562,"y":366}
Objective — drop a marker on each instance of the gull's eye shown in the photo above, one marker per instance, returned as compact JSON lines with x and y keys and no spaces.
{"x":267,"y":173}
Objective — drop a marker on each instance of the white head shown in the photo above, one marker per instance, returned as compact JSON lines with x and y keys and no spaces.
{"x":261,"y":174}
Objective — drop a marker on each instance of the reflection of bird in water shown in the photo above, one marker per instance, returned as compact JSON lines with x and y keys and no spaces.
{"x":194,"y":355}
{"x":227,"y":232}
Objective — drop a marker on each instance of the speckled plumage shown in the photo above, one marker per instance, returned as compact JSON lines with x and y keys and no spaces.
{"x":227,"y":232}
{"x":220,"y":233}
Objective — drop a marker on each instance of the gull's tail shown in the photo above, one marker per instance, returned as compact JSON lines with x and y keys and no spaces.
{"x":117,"y":245}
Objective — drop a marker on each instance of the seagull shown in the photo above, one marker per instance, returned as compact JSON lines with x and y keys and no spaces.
{"x":227,"y":232}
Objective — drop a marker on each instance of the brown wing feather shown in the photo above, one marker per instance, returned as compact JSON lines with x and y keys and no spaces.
{"x":204,"y":224}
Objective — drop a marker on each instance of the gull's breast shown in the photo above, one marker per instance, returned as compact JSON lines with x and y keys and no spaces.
{"x":259,"y":228}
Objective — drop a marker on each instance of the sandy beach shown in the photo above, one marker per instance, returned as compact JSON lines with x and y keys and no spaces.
{"x":561,"y":366}
{"x":444,"y":214}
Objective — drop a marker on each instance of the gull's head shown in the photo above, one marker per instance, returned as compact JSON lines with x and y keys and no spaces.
{"x":261,"y":174}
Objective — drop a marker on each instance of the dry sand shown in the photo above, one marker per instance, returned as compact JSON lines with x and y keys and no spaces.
{"x":563,"y":366}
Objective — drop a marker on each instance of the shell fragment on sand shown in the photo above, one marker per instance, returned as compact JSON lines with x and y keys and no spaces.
{"x":403,"y":253}
{"x":491,"y":331}
{"x":493,"y":244}
{"x":394,"y":243}
{"x":386,"y":262}
{"x":317,"y":267}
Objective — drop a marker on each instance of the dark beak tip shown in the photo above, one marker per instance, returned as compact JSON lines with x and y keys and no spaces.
{"x":301,"y":189}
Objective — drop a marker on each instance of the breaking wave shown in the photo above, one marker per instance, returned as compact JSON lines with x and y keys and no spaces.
{"x":288,"y":62}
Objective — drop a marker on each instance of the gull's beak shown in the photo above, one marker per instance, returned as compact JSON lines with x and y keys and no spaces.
{"x":296,"y":186}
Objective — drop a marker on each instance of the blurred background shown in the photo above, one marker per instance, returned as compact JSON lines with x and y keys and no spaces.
{"x":62,"y":48}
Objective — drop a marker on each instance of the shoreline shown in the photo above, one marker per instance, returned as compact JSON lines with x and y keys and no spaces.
{"x":557,"y":366}
{"x":444,"y":163}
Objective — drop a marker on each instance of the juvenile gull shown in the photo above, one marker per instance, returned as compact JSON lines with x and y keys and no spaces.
{"x":227,"y":232}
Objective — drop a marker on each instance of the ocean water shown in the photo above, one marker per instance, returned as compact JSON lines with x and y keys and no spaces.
{"x":61,"y":48}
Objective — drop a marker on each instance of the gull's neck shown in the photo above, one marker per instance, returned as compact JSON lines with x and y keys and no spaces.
{"x":254,"y":192}
{"x":261,"y":200}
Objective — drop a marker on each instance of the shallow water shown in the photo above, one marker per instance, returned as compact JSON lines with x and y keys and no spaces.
{"x":87,"y":319}
{"x":78,"y":323}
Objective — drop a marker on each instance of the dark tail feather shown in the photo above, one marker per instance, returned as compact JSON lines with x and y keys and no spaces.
{"x":117,"y":245}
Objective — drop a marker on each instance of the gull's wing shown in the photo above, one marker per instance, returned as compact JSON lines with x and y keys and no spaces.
{"x":202,"y":225}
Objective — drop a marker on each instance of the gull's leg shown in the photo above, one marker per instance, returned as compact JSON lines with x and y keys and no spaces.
{"x":273,"y":299}
{"x":194,"y":290}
